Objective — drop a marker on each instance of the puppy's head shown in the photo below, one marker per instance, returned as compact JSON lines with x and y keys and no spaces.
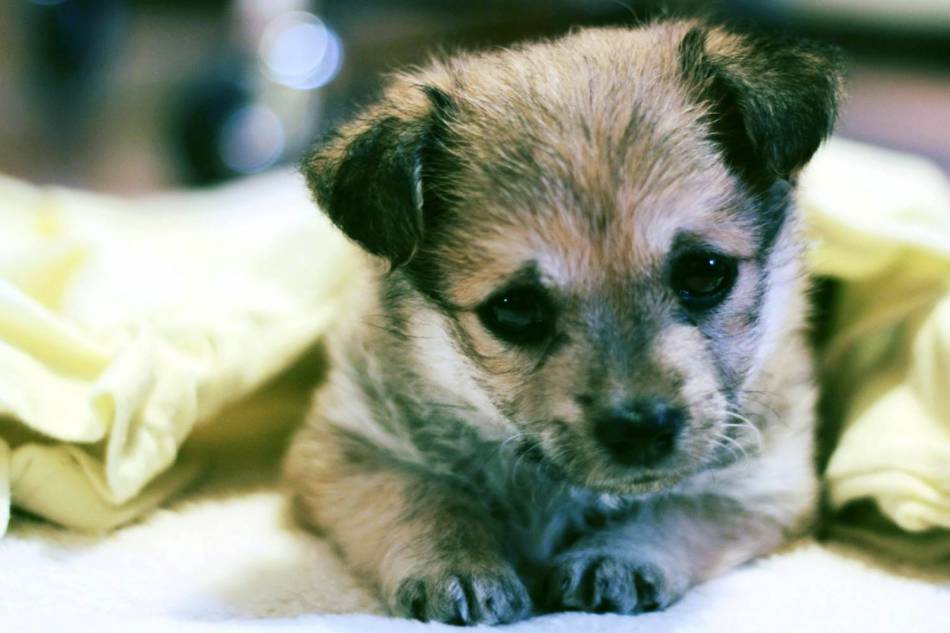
{"x":593,"y":235}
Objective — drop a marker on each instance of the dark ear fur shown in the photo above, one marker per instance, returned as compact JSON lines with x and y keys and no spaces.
{"x":771,"y":102}
{"x":368,"y":177}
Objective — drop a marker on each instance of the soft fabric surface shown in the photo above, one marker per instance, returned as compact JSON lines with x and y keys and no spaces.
{"x":123,"y":323}
{"x":229,"y":559}
{"x":882,"y":225}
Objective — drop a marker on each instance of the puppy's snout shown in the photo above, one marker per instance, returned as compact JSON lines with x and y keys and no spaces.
{"x":640,"y":433}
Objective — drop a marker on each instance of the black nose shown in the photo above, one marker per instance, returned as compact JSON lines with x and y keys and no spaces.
{"x":642,"y":432}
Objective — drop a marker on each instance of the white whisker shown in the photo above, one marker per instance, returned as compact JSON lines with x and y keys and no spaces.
{"x":731,"y":442}
{"x":747,"y":424}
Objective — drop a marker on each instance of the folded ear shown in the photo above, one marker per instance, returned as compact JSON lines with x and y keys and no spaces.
{"x":370,"y":176}
{"x":769,"y":102}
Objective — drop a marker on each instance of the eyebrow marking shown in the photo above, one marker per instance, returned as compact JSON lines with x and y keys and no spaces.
{"x":685,"y":241}
{"x":527,"y":275}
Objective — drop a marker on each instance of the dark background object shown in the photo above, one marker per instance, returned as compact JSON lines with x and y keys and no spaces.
{"x":68,"y":56}
{"x":199,"y":119}
{"x":139,"y":95}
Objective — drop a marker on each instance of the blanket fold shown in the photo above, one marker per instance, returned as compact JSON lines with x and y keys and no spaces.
{"x":123,"y":323}
{"x":881,"y":224}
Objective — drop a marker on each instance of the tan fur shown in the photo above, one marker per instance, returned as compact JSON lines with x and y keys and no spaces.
{"x":365,"y":513}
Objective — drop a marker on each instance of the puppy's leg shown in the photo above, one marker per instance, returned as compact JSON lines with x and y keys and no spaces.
{"x":648,"y":560}
{"x":429,"y":548}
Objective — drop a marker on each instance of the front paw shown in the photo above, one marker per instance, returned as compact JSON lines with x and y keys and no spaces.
{"x":464,"y":597}
{"x":605,"y":583}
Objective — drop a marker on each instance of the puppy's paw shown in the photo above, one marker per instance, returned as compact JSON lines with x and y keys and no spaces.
{"x":464,"y":598}
{"x":604,"y":583}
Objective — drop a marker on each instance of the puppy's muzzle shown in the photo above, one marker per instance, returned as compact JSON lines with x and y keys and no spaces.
{"x":642,"y":432}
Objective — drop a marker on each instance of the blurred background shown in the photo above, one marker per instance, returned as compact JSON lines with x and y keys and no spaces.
{"x":133,"y":96}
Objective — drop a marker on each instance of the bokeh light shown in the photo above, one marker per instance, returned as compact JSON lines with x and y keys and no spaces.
{"x":252,"y":139}
{"x":299,"y":51}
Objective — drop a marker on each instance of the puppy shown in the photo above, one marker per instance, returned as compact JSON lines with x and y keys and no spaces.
{"x":580,"y":380}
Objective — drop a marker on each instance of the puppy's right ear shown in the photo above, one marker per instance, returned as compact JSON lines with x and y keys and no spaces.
{"x":368,"y":177}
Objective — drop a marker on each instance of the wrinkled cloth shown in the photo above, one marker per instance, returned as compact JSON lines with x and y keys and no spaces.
{"x":880,"y":222}
{"x":124,"y":323}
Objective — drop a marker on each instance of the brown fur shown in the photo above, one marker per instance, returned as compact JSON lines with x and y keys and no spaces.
{"x":457,"y":470}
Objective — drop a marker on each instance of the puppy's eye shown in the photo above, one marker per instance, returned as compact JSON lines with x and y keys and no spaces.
{"x":702,"y":279}
{"x":521,"y":315}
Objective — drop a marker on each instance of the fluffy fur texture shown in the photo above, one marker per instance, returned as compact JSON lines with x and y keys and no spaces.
{"x":620,"y":434}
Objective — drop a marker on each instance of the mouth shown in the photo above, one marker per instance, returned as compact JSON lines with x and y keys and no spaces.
{"x":646,"y":484}
{"x":645,"y":481}
{"x":531,"y":452}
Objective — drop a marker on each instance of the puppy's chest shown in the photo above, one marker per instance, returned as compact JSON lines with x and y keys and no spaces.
{"x":535,"y":516}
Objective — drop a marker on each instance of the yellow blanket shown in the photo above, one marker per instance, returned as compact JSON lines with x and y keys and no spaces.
{"x":124,"y":323}
{"x":881,"y":223}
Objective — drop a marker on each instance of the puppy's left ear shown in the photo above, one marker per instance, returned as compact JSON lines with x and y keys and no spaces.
{"x":769,"y":103}
{"x":372,"y":176}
